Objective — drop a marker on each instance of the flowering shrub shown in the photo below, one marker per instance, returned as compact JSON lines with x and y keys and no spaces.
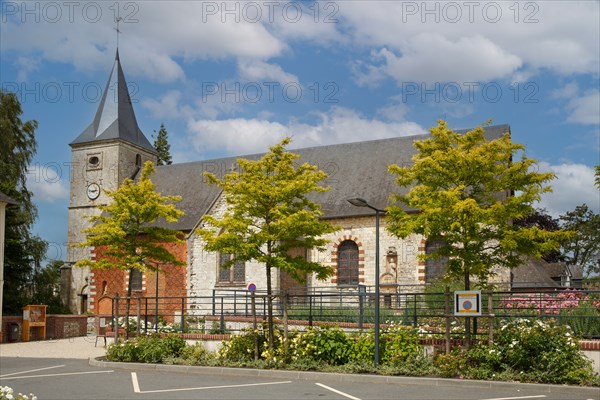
{"x":399,"y":343}
{"x":330,"y":345}
{"x":551,"y":303}
{"x":131,"y":325}
{"x":6,"y":393}
{"x":524,"y":350}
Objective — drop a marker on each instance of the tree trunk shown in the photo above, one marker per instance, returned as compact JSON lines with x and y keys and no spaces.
{"x":128,"y":304}
{"x":270,"y":309}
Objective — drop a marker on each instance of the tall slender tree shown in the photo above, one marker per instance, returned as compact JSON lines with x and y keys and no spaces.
{"x":23,"y":250}
{"x":268,"y":214}
{"x":127,"y":230}
{"x":162,"y":146}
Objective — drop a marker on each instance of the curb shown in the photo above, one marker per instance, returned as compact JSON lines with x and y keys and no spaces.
{"x":335,"y":377}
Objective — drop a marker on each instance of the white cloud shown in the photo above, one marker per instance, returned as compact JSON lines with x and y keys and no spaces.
{"x":46,"y":182}
{"x":430,"y":57}
{"x":339,"y":125}
{"x":585,"y":109}
{"x":574,"y":185}
{"x":260,"y":71}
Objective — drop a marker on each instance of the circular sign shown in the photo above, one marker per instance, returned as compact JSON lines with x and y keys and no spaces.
{"x":252,"y":287}
{"x":467,"y":305}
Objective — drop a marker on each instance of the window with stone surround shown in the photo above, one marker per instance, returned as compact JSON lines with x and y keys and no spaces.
{"x":233,"y":275}
{"x":136,"y":279}
{"x":435,"y":268}
{"x":347,"y":263}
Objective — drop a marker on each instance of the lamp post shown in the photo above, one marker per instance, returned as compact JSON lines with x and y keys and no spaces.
{"x":358,"y":202}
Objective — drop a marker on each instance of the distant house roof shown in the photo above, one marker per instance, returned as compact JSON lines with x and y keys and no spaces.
{"x":115,"y":118}
{"x":5,"y":199}
{"x":355,"y":170}
{"x":537,"y":273}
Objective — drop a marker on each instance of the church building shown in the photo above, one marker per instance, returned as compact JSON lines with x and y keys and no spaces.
{"x":113,"y":148}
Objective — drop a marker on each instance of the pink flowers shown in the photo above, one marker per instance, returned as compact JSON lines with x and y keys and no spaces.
{"x":550,"y":303}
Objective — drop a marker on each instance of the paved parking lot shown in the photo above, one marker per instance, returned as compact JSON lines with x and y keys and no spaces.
{"x":66,"y":369}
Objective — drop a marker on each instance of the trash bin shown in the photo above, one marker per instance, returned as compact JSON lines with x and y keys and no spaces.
{"x":13,"y":332}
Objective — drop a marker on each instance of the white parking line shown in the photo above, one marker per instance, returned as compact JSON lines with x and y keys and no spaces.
{"x":63,"y":374}
{"x":337,"y":391}
{"x":136,"y":386}
{"x":520,"y":397}
{"x":31,"y":370}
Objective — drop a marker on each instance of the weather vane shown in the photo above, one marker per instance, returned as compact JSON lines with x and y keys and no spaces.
{"x":117,"y":20}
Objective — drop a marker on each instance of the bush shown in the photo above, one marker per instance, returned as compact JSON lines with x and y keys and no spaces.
{"x":330,"y":345}
{"x":524,"y":350}
{"x":241,"y":347}
{"x":146,"y":349}
{"x":399,"y":344}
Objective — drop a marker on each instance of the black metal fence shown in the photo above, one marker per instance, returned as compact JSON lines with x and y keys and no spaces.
{"x":230,"y":311}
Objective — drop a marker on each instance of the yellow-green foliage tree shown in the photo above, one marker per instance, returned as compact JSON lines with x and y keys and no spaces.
{"x":268,"y":214}
{"x":467,"y":192}
{"x":127,"y":231}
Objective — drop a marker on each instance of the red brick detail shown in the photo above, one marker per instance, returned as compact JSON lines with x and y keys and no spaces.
{"x":589,"y":345}
{"x":361,"y":280}
{"x":171,"y":282}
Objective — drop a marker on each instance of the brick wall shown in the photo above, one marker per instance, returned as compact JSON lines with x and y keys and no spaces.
{"x":171,"y":282}
{"x":57,"y":327}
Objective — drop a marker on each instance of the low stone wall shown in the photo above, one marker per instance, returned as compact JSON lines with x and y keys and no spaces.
{"x":57,"y":327}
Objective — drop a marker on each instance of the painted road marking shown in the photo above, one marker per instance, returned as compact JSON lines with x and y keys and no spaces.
{"x":520,"y":397}
{"x":136,"y":386}
{"x":63,"y":374}
{"x":31,"y":370}
{"x":337,"y":391}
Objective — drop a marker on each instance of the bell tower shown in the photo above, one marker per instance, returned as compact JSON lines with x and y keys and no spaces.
{"x":111,"y":149}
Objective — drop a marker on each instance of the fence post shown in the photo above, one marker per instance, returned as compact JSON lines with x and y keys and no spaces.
{"x":447,"y":312}
{"x":490,"y":315}
{"x":117,"y":317}
{"x":361,"y":305}
{"x":222,"y":319}
{"x":214,"y":306}
{"x":146,"y":315}
{"x":254,"y":325}
{"x":310,"y":317}
{"x":415,"y":311}
{"x":235,"y":302}
{"x":285,"y":324}
{"x":182,"y":314}
{"x":139,"y":312}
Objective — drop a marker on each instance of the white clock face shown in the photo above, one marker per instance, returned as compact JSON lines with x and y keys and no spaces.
{"x":93,"y":191}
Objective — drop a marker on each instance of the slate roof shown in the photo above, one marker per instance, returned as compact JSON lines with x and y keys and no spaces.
{"x":355,"y":170}
{"x":5,"y":199}
{"x":115,"y":118}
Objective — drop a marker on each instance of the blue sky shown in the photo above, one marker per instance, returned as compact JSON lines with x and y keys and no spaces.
{"x":234,"y":77}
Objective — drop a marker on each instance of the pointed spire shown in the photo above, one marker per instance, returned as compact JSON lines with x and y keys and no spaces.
{"x":115,"y":118}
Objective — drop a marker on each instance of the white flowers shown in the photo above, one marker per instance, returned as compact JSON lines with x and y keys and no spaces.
{"x":6,"y":393}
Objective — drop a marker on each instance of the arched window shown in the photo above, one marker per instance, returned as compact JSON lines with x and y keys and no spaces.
{"x":435,"y":268}
{"x":347,"y":267}
{"x":136,"y":279}
{"x":235,"y":274}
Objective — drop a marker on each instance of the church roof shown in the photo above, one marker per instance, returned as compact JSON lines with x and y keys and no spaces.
{"x":115,"y":118}
{"x":355,"y":170}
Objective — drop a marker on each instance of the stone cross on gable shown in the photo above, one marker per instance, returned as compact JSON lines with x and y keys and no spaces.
{"x":117,"y":20}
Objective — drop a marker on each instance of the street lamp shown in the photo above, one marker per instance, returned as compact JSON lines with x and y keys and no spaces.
{"x":358,"y":202}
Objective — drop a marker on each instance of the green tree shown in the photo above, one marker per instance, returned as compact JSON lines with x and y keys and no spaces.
{"x":162,"y":146}
{"x":543,"y":220}
{"x":46,"y":288}
{"x":268,"y":214}
{"x":22,"y":249}
{"x":127,"y":229}
{"x":598,"y":176}
{"x":584,"y":247}
{"x":467,"y":191}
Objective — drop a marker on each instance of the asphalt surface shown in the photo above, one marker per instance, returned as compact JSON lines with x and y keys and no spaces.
{"x":75,"y":374}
